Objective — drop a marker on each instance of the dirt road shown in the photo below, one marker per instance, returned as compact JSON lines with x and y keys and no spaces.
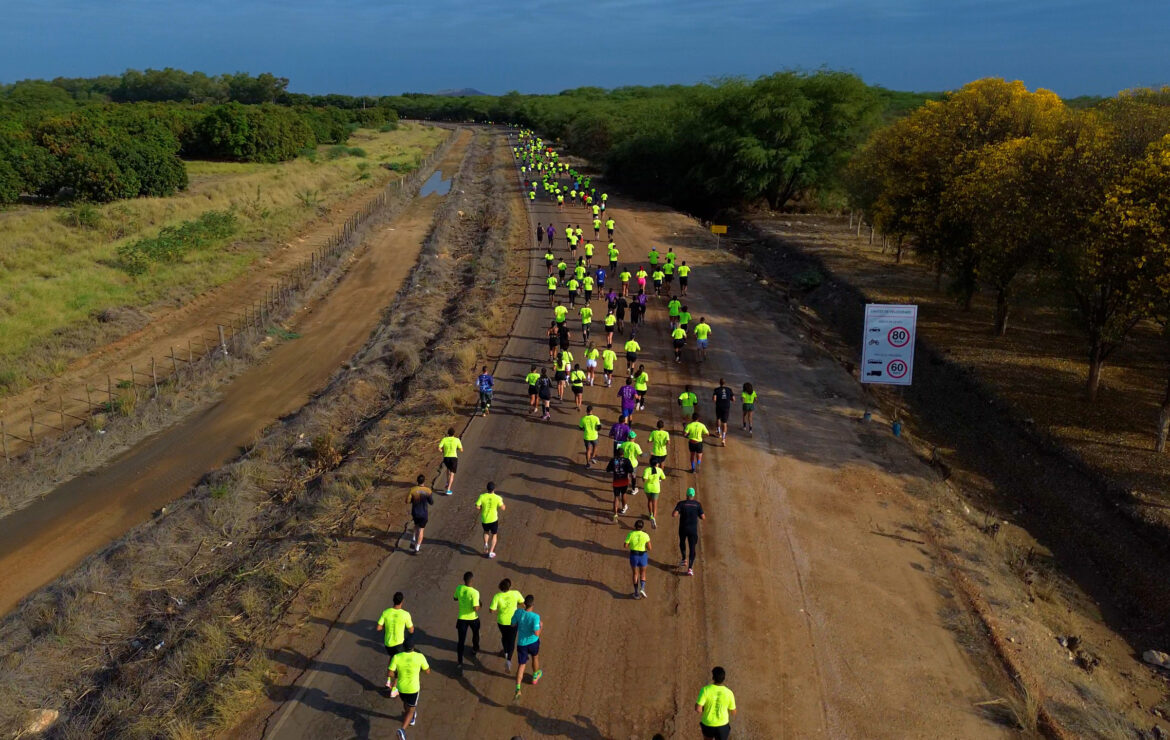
{"x":813,"y":587}
{"x":44,"y":539}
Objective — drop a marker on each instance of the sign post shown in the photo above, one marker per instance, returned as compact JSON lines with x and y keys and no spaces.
{"x":718,"y":229}
{"x":887,"y":351}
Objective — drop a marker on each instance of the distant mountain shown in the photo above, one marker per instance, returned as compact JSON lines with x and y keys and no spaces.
{"x":462,"y":92}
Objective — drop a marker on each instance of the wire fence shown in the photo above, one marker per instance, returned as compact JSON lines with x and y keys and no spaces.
{"x":118,"y":395}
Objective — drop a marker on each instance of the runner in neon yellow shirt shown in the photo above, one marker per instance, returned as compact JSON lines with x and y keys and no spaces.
{"x":695,"y":431}
{"x":632,"y":349}
{"x":673,"y":307}
{"x":657,"y":276}
{"x":748,"y":397}
{"x":608,"y":358}
{"x":450,"y":447}
{"x":715,"y":706}
{"x":702,"y":333}
{"x":624,"y":276}
{"x":468,"y":599}
{"x":552,"y":289}
{"x":504,"y":605}
{"x":684,"y":275}
{"x":490,"y":504}
{"x":596,"y":227}
{"x":403,"y":675}
{"x":678,"y":338}
{"x":577,"y":384}
{"x":652,"y":478}
{"x":638,"y":543}
{"x":572,"y":287}
{"x":609,"y":227}
{"x":394,"y":623}
{"x":589,"y":425}
{"x":652,"y":258}
{"x":642,"y":384}
{"x":613,"y":253}
{"x":610,"y":325}
{"x":560,"y":313}
{"x":592,"y":355}
{"x":532,"y":378}
{"x":587,"y":283}
{"x":659,"y":442}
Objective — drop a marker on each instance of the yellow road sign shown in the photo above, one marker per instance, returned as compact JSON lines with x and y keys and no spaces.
{"x":717,"y":229}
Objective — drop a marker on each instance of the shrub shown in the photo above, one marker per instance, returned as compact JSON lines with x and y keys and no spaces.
{"x":250,"y":133}
{"x":175,"y":242}
{"x":83,"y":216}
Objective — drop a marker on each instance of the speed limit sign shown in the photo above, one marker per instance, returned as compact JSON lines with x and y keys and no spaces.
{"x":887,"y":352}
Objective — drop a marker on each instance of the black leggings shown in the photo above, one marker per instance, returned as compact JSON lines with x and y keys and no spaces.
{"x":461,"y":627}
{"x":508,"y":639}
{"x":685,"y":538}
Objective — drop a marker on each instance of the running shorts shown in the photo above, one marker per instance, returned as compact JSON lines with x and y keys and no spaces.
{"x":639,"y":559}
{"x":559,"y":376}
{"x":656,"y":460}
{"x":452,"y":463}
{"x":578,"y":389}
{"x":409,"y":700}
{"x":722,"y":732}
{"x":749,"y":407}
{"x":532,"y":390}
{"x":632,"y":357}
{"x":491,"y":527}
{"x":680,"y":343}
{"x":553,"y":341}
{"x":722,"y":411}
{"x":590,"y":363}
{"x":420,"y":522}
{"x":523,"y":651}
{"x":619,"y":491}
{"x":702,"y":343}
{"x":695,"y":446}
{"x":682,"y":281}
{"x":393,"y":650}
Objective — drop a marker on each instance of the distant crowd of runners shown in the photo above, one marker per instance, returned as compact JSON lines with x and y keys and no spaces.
{"x":577,"y":280}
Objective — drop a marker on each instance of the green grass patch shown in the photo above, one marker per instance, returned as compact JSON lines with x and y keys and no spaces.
{"x":173,"y":243}
{"x":279,"y":332}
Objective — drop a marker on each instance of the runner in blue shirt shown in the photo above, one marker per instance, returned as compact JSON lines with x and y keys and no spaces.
{"x":484,"y":383}
{"x":527,"y":623}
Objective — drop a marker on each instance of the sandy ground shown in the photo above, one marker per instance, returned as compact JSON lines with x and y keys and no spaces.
{"x":44,"y":539}
{"x":813,"y":587}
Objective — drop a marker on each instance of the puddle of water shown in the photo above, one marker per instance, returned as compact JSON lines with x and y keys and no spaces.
{"x":435,"y":185}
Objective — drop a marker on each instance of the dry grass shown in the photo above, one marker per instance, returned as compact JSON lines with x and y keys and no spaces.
{"x":211,"y":579}
{"x":56,"y":278}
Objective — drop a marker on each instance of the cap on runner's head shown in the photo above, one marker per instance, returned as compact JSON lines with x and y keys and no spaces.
{"x":633,"y":434}
{"x":690,"y":493}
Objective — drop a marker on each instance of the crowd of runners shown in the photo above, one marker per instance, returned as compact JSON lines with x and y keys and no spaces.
{"x":584,"y":289}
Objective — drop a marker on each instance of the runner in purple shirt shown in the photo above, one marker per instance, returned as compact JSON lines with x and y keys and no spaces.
{"x":551,"y":233}
{"x":620,"y":432}
{"x":629,"y":396}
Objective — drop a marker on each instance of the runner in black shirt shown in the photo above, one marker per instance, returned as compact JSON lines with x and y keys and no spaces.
{"x":419,"y":498}
{"x":544,"y":393}
{"x":620,"y":312}
{"x":622,"y":471}
{"x":722,"y":396}
{"x":688,"y":512}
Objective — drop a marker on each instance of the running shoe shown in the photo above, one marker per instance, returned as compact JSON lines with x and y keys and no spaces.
{"x":642,"y":590}
{"x":448,"y":492}
{"x":401,"y":734}
{"x":653,"y":523}
{"x":508,"y":664}
{"x":491,"y":554}
{"x":615,"y":516}
{"x":690,"y":571}
{"x":536,"y":677}
{"x":414,"y":718}
{"x":625,"y":507}
{"x":682,"y":563}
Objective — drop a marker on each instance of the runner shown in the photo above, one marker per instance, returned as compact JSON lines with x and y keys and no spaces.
{"x":613,"y":253}
{"x":619,"y":433}
{"x":468,"y":599}
{"x":678,"y":338}
{"x":527,"y":624}
{"x":600,"y":275}
{"x":562,"y":266}
{"x":668,"y":275}
{"x":688,"y":512}
{"x":625,"y":276}
{"x":619,"y":310}
{"x":588,"y":425}
{"x":451,"y":447}
{"x":609,"y":226}
{"x":608,"y":359}
{"x":564,"y":337}
{"x":551,"y":233}
{"x":628,"y":394}
{"x":587,"y":287}
{"x":596,"y":227}
{"x":641,"y":384}
{"x":490,"y":504}
{"x":610,"y":325}
{"x":403,"y":676}
{"x":548,"y":261}
{"x":722,"y":396}
{"x":620,"y":467}
{"x":586,"y":320}
{"x":572,"y":287}
{"x":659,"y":443}
{"x":577,"y":384}
{"x":532,"y":378}
{"x":638,"y":543}
{"x":657,"y":276}
{"x":673,"y":307}
{"x":641,"y":276}
{"x":652,"y":258}
{"x":419,"y":498}
{"x":394,"y":623}
{"x":484,"y":384}
{"x":702,"y":333}
{"x":539,"y":234}
{"x":564,"y":367}
{"x":652,"y":481}
{"x":632,"y":350}
{"x":553,"y":339}
{"x":684,"y":318}
{"x":504,"y":605}
{"x":544,"y":391}
{"x":684,"y":274}
{"x":748,"y":397}
{"x":695,"y":431}
{"x":631,"y":450}
{"x":716,"y":707}
{"x":552,"y":288}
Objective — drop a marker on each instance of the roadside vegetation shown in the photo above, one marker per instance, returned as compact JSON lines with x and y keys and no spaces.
{"x":66,"y":272}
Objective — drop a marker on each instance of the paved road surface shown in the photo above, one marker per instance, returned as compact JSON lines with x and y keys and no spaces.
{"x":812,"y":588}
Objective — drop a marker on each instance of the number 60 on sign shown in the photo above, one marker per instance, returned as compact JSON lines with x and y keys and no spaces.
{"x":887,"y":351}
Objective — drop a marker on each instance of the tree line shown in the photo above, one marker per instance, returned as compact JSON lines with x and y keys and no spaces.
{"x":68,"y":142}
{"x":1006,"y":190}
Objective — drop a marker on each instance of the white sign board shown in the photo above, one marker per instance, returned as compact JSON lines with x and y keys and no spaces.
{"x":887,"y":352}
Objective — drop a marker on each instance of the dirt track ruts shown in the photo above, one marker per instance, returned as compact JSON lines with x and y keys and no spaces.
{"x":44,"y":539}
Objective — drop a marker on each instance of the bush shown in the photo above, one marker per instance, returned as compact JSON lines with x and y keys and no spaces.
{"x":83,"y":216}
{"x":257,"y":133}
{"x":175,"y":242}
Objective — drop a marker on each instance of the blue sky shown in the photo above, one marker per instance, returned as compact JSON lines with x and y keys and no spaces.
{"x":389,"y":46}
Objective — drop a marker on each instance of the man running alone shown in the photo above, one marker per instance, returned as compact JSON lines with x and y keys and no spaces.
{"x":688,"y":512}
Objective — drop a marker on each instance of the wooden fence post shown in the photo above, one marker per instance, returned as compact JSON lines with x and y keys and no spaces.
{"x":133,"y":384}
{"x":110,"y":393}
{"x":222,"y":343}
{"x":154,"y":376}
{"x":4,"y":439}
{"x":32,"y":426}
{"x":174,"y":364}
{"x":88,"y":400}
